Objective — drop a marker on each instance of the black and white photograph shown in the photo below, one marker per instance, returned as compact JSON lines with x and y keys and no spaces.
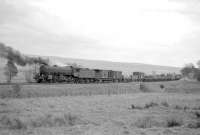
{"x":99,"y":67}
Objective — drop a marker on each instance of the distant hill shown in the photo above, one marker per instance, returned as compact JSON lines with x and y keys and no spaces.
{"x":126,"y":68}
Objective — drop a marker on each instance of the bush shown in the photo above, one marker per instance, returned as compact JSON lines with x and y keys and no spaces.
{"x":70,"y":119}
{"x":12,"y":123}
{"x":197,"y":114}
{"x":18,"y":124}
{"x":178,"y":107}
{"x":196,"y":108}
{"x":151,"y":104}
{"x":162,"y":86}
{"x":59,"y":121}
{"x":136,"y":107}
{"x":146,"y":106}
{"x":165,"y":104}
{"x":194,"y":125}
{"x":174,"y":122}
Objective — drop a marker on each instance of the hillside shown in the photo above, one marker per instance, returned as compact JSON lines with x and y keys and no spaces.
{"x":127,"y":68}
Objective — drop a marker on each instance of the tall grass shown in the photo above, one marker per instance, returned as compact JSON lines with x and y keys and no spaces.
{"x":48,"y":120}
{"x":53,"y":90}
{"x":12,"y":122}
{"x":12,"y":91}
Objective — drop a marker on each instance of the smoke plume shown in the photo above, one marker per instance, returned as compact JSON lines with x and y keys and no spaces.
{"x":15,"y":57}
{"x":18,"y":58}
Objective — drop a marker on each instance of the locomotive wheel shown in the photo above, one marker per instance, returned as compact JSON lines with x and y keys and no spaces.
{"x":39,"y":81}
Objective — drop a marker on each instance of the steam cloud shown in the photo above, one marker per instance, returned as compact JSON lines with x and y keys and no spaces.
{"x":15,"y":57}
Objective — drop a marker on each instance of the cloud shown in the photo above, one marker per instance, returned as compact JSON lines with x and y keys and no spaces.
{"x":190,"y":8}
{"x":132,"y":31}
{"x":26,"y":26}
{"x":14,"y":11}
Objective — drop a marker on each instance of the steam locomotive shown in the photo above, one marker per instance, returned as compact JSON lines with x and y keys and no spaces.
{"x":70,"y":74}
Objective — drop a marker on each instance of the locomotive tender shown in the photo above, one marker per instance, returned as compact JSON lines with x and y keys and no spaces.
{"x":70,"y":74}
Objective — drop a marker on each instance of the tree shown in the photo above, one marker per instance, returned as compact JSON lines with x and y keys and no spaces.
{"x":191,"y":71}
{"x":197,"y":74}
{"x":198,"y":71}
{"x":10,"y":71}
{"x":198,"y":63}
{"x":189,"y":68}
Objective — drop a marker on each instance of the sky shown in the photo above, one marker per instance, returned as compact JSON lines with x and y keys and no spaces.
{"x":159,"y":32}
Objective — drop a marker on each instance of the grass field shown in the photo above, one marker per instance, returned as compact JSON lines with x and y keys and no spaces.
{"x":101,"y":109}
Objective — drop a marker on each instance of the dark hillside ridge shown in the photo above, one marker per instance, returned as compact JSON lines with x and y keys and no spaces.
{"x":126,"y":68}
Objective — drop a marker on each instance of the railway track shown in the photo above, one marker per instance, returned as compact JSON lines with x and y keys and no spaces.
{"x":34,"y":83}
{"x":24,"y":83}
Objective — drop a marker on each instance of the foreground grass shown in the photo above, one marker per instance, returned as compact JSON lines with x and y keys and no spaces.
{"x":153,"y":113}
{"x":57,"y":90}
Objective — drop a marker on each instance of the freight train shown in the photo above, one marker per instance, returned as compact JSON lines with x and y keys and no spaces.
{"x":71,"y":74}
{"x":142,"y":77}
